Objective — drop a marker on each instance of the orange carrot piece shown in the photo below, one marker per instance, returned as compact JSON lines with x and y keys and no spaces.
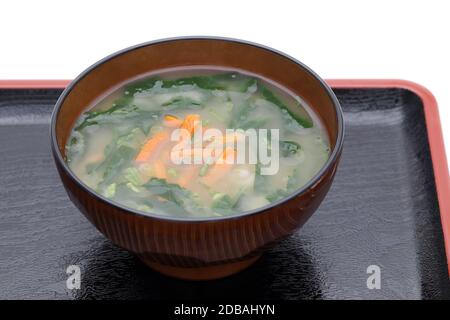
{"x":172,"y":121}
{"x":150,"y":146}
{"x":190,"y":121}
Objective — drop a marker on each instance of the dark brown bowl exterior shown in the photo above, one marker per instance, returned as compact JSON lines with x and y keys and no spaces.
{"x":215,"y":247}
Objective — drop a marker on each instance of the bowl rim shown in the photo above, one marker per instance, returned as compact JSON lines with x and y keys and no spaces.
{"x":331,"y":160}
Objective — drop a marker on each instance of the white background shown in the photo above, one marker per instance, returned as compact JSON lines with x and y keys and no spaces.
{"x":338,"y":39}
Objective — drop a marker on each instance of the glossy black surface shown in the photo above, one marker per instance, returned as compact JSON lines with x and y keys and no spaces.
{"x":382,"y":210}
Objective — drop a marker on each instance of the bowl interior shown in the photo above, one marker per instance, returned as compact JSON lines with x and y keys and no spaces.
{"x":172,"y":53}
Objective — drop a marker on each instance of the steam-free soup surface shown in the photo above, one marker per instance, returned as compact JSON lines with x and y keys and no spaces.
{"x":122,"y":146}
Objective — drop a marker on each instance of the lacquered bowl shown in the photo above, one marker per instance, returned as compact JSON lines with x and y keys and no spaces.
{"x":197,"y":248}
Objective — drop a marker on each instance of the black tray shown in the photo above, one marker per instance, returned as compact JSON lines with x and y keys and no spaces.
{"x":381,"y":210}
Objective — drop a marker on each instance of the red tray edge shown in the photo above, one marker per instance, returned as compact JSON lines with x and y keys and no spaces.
{"x":433,"y":123}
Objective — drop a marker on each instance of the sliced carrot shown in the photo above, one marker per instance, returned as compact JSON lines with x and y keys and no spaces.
{"x":190,"y":122}
{"x":150,"y":146}
{"x":172,"y":121}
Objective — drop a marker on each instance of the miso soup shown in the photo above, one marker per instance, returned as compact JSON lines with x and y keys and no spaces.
{"x":197,"y":142}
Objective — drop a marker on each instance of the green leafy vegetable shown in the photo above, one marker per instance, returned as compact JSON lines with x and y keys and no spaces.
{"x":133,"y":187}
{"x":110,"y":191}
{"x":134,"y":139}
{"x":305,"y":120}
{"x":140,"y":86}
{"x":222,"y":201}
{"x":173,"y":193}
{"x":132,"y":175}
{"x":178,"y":103}
{"x":289,"y":148}
{"x":277,"y":195}
{"x":90,"y":118}
{"x":291,"y":185}
{"x":203,"y":170}
{"x":117,"y":158}
{"x":220,"y":81}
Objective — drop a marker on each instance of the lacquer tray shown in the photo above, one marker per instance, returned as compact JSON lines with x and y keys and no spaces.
{"x":388,"y":207}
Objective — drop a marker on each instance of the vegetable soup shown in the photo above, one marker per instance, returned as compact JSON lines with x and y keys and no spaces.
{"x":147,"y":144}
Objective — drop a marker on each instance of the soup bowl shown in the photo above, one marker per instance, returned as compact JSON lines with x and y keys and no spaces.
{"x":197,"y":248}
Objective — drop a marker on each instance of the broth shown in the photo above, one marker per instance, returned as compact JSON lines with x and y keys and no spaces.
{"x":123,"y":146}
